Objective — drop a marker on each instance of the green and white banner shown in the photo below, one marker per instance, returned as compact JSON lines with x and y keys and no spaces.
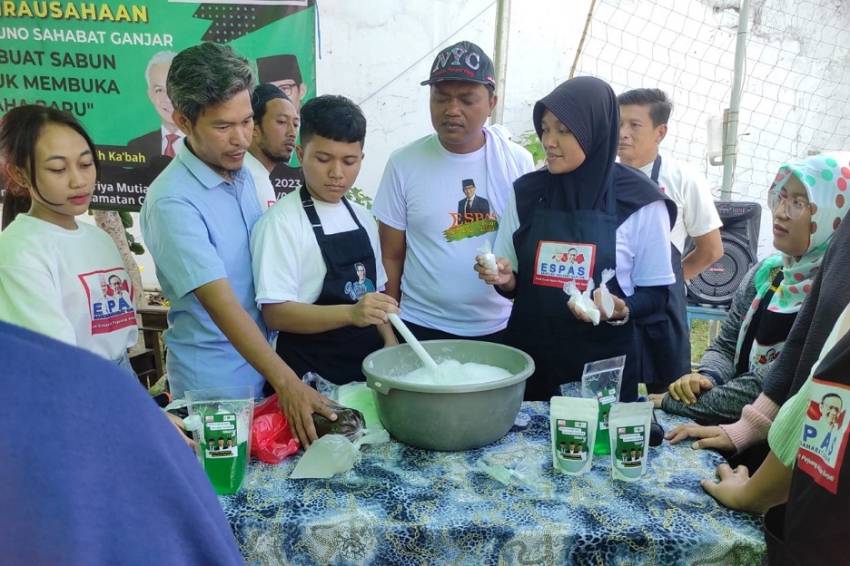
{"x":106,"y":63}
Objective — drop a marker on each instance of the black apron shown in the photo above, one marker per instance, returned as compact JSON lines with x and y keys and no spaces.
{"x":813,"y":527}
{"x":663,"y":343}
{"x":336,"y":354}
{"x":541,"y":323}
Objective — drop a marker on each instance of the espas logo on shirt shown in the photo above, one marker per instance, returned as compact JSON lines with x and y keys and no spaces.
{"x":473,"y":217}
{"x":825,"y":432}
{"x":110,"y":297}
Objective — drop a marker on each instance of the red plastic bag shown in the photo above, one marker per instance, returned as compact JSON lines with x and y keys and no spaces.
{"x":271,"y":439}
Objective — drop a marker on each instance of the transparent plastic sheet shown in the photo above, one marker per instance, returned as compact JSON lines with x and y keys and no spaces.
{"x":330,"y":455}
{"x":334,"y":454}
{"x":508,"y":469}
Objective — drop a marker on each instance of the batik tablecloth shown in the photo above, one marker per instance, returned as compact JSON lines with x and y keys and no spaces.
{"x":401,"y":505}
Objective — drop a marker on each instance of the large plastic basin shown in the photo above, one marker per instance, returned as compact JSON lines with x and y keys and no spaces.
{"x":448,"y":417}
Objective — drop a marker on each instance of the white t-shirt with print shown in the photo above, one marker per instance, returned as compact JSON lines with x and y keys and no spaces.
{"x":421,"y":193}
{"x":697,"y":214}
{"x":286,"y":259}
{"x":640,"y":261}
{"x":262,"y":181}
{"x":70,"y":285}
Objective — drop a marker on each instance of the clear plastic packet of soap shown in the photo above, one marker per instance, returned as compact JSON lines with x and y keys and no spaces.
{"x":607,"y":299}
{"x":572,"y":433}
{"x":582,"y":301}
{"x":488,"y":258}
{"x":509,"y":469}
{"x":330,"y":455}
{"x":601,"y":380}
{"x":629,"y":435}
{"x":334,"y":454}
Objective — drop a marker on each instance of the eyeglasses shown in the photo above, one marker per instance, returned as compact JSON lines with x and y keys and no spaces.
{"x":794,"y":206}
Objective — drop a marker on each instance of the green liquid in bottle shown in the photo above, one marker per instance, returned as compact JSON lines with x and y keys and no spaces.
{"x":226,"y":473}
{"x":602,"y":444}
{"x":225,"y":459}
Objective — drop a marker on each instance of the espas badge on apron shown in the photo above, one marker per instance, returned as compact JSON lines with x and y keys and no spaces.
{"x":559,"y":263}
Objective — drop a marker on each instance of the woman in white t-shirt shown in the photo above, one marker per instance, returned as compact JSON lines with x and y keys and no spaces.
{"x":60,"y":277}
{"x":568,"y":224}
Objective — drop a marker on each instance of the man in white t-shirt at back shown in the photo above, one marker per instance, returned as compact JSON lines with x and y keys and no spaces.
{"x":275,"y":129}
{"x":664,"y":338}
{"x":428,"y":246}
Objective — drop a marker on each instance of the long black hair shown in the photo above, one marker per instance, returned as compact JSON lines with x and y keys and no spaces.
{"x":19,"y":132}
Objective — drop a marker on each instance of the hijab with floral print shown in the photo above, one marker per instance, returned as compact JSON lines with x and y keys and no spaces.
{"x":826,"y":178}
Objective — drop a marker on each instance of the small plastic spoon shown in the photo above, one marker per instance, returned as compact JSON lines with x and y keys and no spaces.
{"x":414,"y":343}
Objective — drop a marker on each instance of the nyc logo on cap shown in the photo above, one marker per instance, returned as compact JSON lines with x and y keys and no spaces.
{"x":463,"y":61}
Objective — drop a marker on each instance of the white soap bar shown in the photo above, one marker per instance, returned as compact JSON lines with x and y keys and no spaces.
{"x":490,"y":262}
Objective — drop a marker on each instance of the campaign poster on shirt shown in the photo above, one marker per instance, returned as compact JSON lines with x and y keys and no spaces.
{"x":559,"y":263}
{"x":106,"y":62}
{"x":109,"y":293}
{"x":825,"y":432}
{"x":473,"y":217}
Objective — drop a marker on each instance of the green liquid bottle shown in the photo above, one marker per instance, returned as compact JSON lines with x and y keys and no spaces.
{"x":605,"y":398}
{"x":225,"y":459}
{"x":226,"y":473}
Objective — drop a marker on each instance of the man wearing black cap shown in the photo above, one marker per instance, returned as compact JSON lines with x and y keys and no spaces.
{"x":275,"y":129}
{"x":424,"y":240}
{"x":283,"y":72}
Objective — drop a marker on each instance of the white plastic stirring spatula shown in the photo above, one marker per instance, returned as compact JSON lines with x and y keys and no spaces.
{"x":414,"y":343}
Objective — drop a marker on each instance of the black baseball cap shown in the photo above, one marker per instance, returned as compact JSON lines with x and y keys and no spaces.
{"x":463,"y":61}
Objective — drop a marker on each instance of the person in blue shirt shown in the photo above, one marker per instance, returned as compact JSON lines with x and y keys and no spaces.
{"x":196,"y":221}
{"x":130,"y":492}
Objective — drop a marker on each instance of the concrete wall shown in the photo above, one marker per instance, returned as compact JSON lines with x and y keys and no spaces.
{"x":378,"y":57}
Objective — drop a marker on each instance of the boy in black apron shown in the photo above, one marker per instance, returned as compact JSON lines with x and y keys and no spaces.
{"x":316,"y":256}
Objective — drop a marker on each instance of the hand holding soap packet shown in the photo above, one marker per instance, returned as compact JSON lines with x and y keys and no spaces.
{"x":488,"y":258}
{"x":628,"y":426}
{"x":605,"y":294}
{"x":583,"y":301}
{"x":573,"y":432}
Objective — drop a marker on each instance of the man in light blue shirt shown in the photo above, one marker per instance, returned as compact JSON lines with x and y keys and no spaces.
{"x":197,"y":226}
{"x":197,"y":222}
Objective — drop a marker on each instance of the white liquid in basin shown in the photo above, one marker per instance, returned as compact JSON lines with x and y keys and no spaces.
{"x":453,"y":372}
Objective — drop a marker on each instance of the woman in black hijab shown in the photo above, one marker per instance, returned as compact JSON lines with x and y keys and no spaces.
{"x":580,"y":215}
